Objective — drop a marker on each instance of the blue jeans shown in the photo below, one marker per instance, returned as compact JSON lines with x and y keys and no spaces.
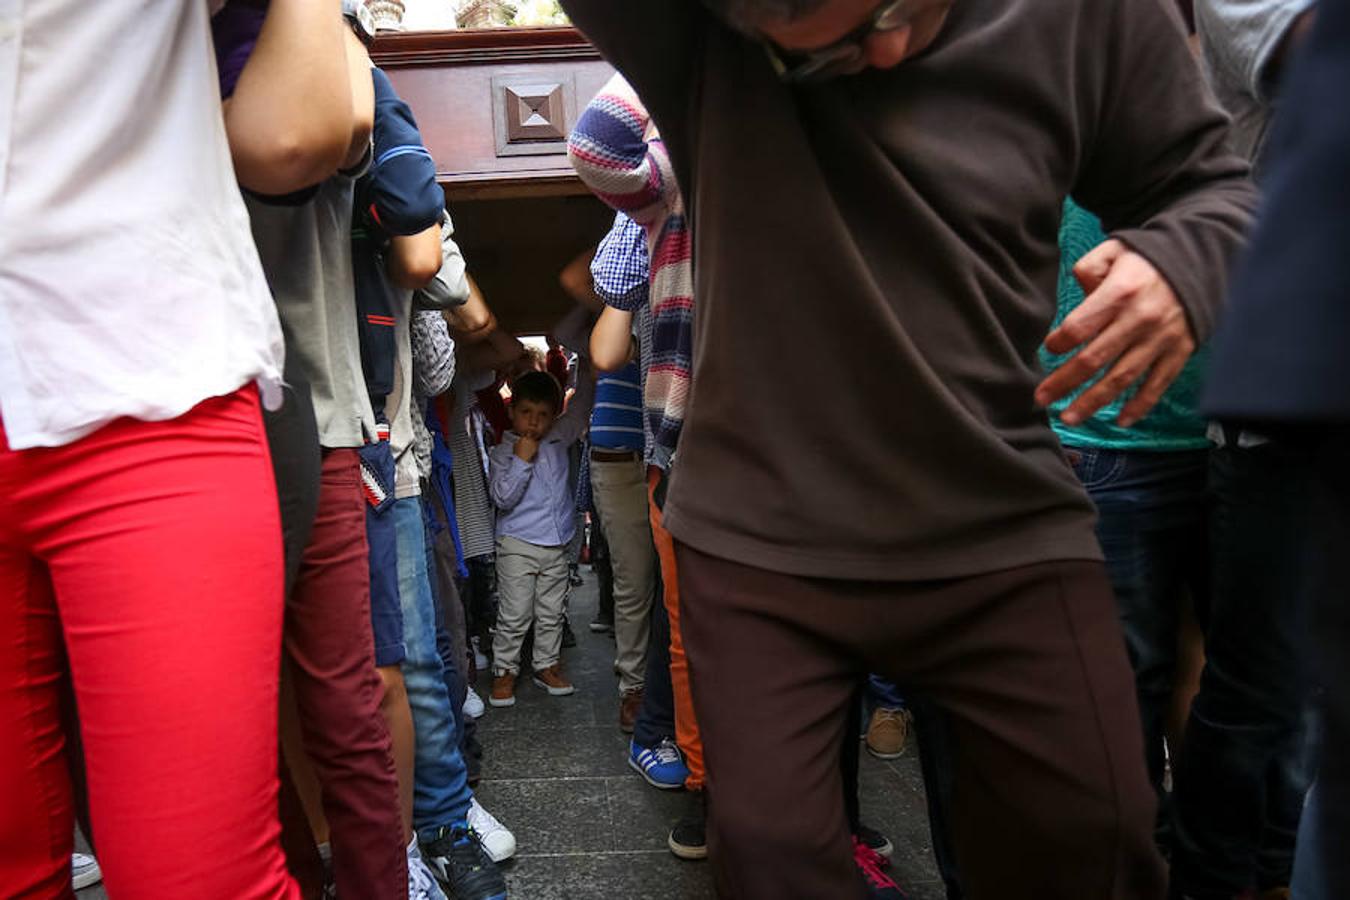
{"x":656,"y":719}
{"x":1241,"y":783}
{"x":1152,"y":527}
{"x":441,"y":793}
{"x":881,"y":693}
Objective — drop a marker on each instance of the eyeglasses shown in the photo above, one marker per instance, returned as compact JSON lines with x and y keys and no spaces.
{"x":845,"y":54}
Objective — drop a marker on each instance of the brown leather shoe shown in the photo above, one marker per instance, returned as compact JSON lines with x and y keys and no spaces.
{"x":888,"y":732}
{"x":629,"y":707}
{"x":503,"y":690}
{"x":552,"y":680}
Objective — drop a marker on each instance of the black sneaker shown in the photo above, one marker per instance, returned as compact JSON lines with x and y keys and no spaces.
{"x":602,"y":624}
{"x":689,"y":838}
{"x":875,"y":841}
{"x":457,"y":856}
{"x":574,"y":576}
{"x":569,"y":639}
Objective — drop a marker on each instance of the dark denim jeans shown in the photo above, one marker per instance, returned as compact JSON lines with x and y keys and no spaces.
{"x":1152,"y":527}
{"x":656,"y":719}
{"x":882,"y":693}
{"x":1242,"y":780}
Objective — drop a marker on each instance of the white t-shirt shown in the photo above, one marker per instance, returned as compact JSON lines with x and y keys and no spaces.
{"x":129,"y":283}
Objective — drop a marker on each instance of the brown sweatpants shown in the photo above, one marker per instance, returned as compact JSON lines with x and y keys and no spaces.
{"x":1052,"y":800}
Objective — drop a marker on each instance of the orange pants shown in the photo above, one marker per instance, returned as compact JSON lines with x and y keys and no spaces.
{"x":686,"y":725}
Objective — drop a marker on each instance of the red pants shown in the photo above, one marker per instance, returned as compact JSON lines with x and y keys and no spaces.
{"x":145,"y":561}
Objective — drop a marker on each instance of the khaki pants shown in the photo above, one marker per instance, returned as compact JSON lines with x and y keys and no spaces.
{"x":620,"y":492}
{"x":531,"y":587}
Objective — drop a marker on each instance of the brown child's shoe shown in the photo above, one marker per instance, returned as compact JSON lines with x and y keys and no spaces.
{"x":629,"y":707}
{"x":503,"y":690}
{"x":552,"y":680}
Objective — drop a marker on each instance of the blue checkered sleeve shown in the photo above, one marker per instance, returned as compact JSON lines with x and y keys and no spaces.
{"x":622,"y":265}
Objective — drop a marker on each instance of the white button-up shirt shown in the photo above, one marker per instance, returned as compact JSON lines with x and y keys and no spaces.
{"x":129,"y":283}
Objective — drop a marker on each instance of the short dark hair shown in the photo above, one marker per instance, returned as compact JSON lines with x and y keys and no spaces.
{"x":538,"y":387}
{"x":745,"y":14}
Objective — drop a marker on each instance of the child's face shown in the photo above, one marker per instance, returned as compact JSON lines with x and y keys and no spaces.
{"x":530,"y":418}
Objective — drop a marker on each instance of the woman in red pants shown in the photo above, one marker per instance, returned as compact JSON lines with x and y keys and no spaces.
{"x":140,"y":548}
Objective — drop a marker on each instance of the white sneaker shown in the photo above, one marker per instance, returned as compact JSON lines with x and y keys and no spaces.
{"x":480,"y":660}
{"x":499,"y":843}
{"x":84,"y":871}
{"x":473,"y":705}
{"x":421,"y":883}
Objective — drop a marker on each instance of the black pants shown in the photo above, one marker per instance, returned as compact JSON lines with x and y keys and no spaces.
{"x":1241,"y":782}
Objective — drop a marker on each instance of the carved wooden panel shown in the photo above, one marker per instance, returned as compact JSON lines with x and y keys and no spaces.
{"x":533,"y":113}
{"x":455,"y":83}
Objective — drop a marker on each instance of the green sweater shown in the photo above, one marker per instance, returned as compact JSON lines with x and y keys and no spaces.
{"x":1174,"y":423}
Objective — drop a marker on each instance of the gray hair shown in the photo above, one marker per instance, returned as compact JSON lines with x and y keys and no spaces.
{"x":747,"y":14}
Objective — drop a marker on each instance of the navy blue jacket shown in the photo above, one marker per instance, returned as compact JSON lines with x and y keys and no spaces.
{"x":398,"y":196}
{"x":1283,"y":353}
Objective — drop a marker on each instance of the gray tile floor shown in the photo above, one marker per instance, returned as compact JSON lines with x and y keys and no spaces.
{"x":589,"y":828}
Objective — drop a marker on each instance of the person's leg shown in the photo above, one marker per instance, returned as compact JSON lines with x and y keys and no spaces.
{"x":550,"y":602}
{"x":881,"y":693}
{"x":483,"y":600}
{"x":330,"y":656}
{"x":153,"y":533}
{"x":1151,"y":525}
{"x":1249,"y":714}
{"x":656,"y":719}
{"x":293,"y":439}
{"x":442,"y":789}
{"x":443,"y":566}
{"x":686,"y":719}
{"x":1331,"y":815}
{"x":603,"y":566}
{"x":300,"y":803}
{"x":1051,"y":797}
{"x":455,"y":685}
{"x":386,"y":618}
{"x":621,"y":497}
{"x":36,"y":817}
{"x":932,"y":733}
{"x":772,"y":693}
{"x":517,"y":574}
{"x":849,"y":753}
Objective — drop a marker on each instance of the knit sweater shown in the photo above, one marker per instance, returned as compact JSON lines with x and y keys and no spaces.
{"x":609,"y":151}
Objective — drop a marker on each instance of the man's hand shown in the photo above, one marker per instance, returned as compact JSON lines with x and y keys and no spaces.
{"x":1131,"y":326}
{"x":527,"y":447}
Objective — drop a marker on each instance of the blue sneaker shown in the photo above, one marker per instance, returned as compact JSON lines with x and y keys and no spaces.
{"x":662,"y":765}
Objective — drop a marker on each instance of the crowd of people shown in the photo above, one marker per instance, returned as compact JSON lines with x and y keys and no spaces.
{"x":280,"y":492}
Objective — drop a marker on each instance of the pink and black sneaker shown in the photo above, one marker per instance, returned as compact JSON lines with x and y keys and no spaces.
{"x":880,"y":886}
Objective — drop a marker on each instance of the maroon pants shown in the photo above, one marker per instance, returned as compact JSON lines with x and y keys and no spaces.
{"x":1052,"y":800}
{"x":330,"y":658}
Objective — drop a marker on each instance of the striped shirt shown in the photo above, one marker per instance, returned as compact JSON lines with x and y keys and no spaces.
{"x":616,"y":420}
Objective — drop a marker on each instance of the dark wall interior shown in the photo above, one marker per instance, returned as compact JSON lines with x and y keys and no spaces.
{"x":515,"y":249}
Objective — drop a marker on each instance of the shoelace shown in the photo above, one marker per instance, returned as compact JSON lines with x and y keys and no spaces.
{"x":421,"y":885}
{"x":870,"y":861}
{"x":666,"y":752}
{"x":482,"y":821}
